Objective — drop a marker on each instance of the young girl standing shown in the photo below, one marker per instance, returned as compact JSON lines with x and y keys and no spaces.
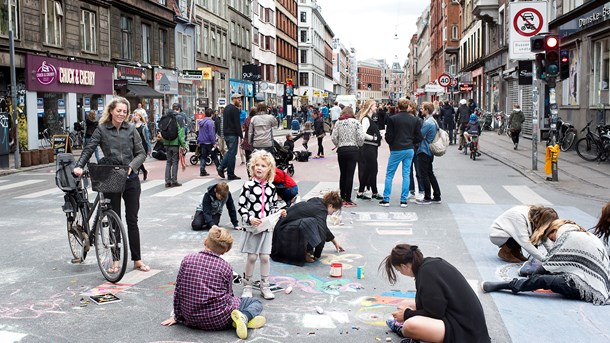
{"x":257,"y":201}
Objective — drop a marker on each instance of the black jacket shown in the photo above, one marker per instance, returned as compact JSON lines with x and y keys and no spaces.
{"x":403,"y":131}
{"x":211,"y":205}
{"x":443,"y":293}
{"x":463,"y":115}
{"x":318,"y":127}
{"x":230,"y":121}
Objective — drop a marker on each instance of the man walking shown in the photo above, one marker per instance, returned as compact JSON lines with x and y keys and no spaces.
{"x":173,"y":138}
{"x":425,"y":157}
{"x":403,"y":131}
{"x":514,"y":124}
{"x":231,"y":130}
{"x":463,"y":117}
{"x":206,"y":140}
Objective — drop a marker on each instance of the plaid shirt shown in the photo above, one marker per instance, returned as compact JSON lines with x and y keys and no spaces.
{"x":204,"y":294}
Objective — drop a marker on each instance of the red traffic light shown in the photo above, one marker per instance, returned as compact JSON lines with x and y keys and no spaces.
{"x":551,"y":42}
{"x":564,"y":59}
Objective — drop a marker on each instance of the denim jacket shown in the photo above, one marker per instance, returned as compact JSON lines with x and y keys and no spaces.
{"x":428,"y":131}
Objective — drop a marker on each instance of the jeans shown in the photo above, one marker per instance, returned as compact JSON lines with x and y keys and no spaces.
{"x":348,"y":158}
{"x":131,"y":196}
{"x":556,"y":283}
{"x":97,"y":154}
{"x":367,"y":168}
{"x":228,"y":162}
{"x":396,"y":157}
{"x":320,"y":146}
{"x":429,"y":179}
{"x":420,"y":181}
{"x":251,"y":307}
{"x":287,"y":194}
{"x":199,"y":223}
{"x":171,"y":165}
{"x":206,"y":150}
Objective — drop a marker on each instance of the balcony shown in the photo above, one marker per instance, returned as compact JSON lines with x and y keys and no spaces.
{"x":486,"y":10}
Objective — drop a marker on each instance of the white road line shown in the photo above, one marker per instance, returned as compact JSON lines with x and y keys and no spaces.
{"x":53,"y":191}
{"x":3,"y":181}
{"x":170,"y":192}
{"x":235,"y":185}
{"x":394,"y":232}
{"x":320,"y":189}
{"x":20,"y":184}
{"x":526,"y":196}
{"x":150,"y":184}
{"x":474,"y":194}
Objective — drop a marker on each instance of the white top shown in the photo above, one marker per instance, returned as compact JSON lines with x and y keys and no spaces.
{"x":335,"y":112}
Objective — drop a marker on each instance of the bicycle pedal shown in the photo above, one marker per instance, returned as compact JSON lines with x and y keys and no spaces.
{"x":76,"y":260}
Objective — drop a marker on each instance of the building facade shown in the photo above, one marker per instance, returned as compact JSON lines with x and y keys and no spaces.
{"x":312,"y":49}
{"x":240,"y":47}
{"x":369,"y":80}
{"x":287,"y":45}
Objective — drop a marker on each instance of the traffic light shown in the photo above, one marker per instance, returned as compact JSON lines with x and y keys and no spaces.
{"x":537,"y":43}
{"x":564,"y":64}
{"x":551,"y":61}
{"x":540,"y":70}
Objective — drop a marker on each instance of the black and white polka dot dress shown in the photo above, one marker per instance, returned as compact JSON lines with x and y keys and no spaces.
{"x":257,"y":200}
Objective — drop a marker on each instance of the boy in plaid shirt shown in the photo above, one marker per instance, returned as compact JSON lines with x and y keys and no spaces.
{"x":204,"y":294}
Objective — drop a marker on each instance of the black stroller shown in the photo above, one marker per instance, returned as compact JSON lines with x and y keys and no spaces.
{"x":194,"y":159}
{"x":283,"y":156}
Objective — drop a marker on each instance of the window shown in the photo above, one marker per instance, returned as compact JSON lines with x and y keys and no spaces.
{"x":4,"y":13}
{"x":243,"y":37}
{"x":248,"y":46}
{"x":233,"y":38}
{"x":88,"y":31}
{"x":501,"y":28}
{"x":146,"y":43}
{"x":601,"y":73}
{"x":224,"y":46}
{"x":53,"y":21}
{"x":163,"y":47}
{"x":304,"y":79}
{"x":255,"y":6}
{"x":303,"y":56}
{"x":303,"y":17}
{"x":198,"y":38}
{"x":213,"y":44}
{"x":570,"y":91}
{"x":255,"y":36}
{"x":218,"y":48}
{"x":206,"y":39}
{"x":126,"y":38}
{"x":454,"y":32}
{"x":185,"y":50}
{"x":303,"y":36}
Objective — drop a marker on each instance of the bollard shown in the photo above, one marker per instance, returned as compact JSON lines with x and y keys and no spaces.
{"x":550,"y":166}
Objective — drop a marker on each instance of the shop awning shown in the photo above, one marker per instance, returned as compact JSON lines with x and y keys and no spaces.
{"x":144,"y":91}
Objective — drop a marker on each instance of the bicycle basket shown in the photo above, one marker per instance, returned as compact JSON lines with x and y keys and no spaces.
{"x":108,"y":178}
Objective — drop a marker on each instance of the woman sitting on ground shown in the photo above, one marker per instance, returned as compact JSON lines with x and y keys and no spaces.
{"x":303,"y":232}
{"x":577,"y":266}
{"x":512,"y":230}
{"x":445,"y":308}
{"x":602,"y":229}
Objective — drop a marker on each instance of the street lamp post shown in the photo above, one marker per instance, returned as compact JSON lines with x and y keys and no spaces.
{"x":11,"y":38}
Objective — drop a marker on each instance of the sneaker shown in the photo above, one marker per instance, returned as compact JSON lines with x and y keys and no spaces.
{"x":409,"y":340}
{"x":403,"y":204}
{"x":395,"y":326}
{"x":366,"y":196}
{"x":411,"y":195}
{"x":515,"y":146}
{"x":359,"y":195}
{"x":423,"y":201}
{"x":176,"y":184}
{"x":478,"y":154}
{"x":384,"y":203}
{"x":257,"y":322}
{"x":221,"y":173}
{"x":168,"y":184}
{"x":204,"y":174}
{"x":266,"y":291}
{"x":436,"y":201}
{"x":377,"y":196}
{"x":460,"y":148}
{"x":234,"y":177}
{"x":420,"y":197}
{"x":247,"y":292}
{"x":241,"y":324}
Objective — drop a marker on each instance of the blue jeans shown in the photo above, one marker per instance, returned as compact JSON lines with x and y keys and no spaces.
{"x":251,"y":307}
{"x":396,"y":157}
{"x":228,"y":162}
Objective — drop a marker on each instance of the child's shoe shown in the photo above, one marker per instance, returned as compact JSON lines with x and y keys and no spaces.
{"x":394,"y":326}
{"x":257,"y":322}
{"x":247,"y":292}
{"x":240,"y":321}
{"x":266,"y":290}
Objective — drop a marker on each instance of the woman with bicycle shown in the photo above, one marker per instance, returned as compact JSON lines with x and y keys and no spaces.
{"x":139,"y":121}
{"x":120,"y":141}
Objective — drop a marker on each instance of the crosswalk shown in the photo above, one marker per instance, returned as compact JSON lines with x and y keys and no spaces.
{"x":469,"y":194}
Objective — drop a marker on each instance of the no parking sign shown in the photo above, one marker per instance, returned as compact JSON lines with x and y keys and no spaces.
{"x":526,"y":20}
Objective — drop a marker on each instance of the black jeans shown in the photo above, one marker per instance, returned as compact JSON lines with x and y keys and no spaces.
{"x":206,"y":150}
{"x":320,"y":146}
{"x":171,"y":165}
{"x":427,"y":173}
{"x":555,"y":283}
{"x":348,"y":158}
{"x":199,"y":223}
{"x":131,"y":195}
{"x":514,"y":134}
{"x":367,"y":168}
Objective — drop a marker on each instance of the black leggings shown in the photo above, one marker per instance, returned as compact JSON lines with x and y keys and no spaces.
{"x":367,"y":168}
{"x":348,"y":158}
{"x":320,"y":146}
{"x":514,"y":134}
{"x":131,"y":195}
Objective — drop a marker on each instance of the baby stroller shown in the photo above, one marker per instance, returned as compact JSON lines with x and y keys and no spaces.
{"x":196,"y":149}
{"x":283,"y":157}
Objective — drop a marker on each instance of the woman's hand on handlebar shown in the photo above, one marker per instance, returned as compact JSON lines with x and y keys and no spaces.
{"x":78,"y":171}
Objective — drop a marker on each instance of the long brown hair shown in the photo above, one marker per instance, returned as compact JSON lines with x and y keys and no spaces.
{"x":602,"y":229}
{"x":541,"y":217}
{"x":540,"y":235}
{"x":401,"y":254}
{"x":366,"y":109}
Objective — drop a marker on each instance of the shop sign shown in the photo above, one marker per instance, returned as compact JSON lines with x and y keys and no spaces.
{"x":130,"y":73}
{"x":251,"y":72}
{"x":192,"y":75}
{"x":592,"y":18}
{"x":222,"y":102}
{"x":46,"y":73}
{"x":526,"y":73}
{"x":77,"y":76}
{"x":325,"y":95}
{"x":206,"y":73}
{"x":87,"y":104}
{"x":466,"y":87}
{"x":434,"y":88}
{"x":100,"y":106}
{"x":61,"y":108}
{"x":166,"y":81}
{"x":4,"y":133}
{"x":40,"y":107}
{"x":316,"y":93}
{"x":60,"y":144}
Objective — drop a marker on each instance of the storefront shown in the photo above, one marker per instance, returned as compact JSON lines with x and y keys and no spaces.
{"x":166,"y":85}
{"x":133,"y":83}
{"x":246,"y":89}
{"x":61,"y":92}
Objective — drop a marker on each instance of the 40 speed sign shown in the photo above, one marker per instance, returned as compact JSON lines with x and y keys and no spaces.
{"x":444,"y":80}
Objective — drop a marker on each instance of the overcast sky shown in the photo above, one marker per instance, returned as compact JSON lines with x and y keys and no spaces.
{"x":370,"y":25}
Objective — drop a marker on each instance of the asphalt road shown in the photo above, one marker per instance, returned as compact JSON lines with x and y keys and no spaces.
{"x":43,"y":290}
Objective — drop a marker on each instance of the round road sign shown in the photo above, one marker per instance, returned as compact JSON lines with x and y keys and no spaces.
{"x":444,"y":80}
{"x":528,"y":22}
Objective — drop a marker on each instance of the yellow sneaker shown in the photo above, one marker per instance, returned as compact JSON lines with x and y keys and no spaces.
{"x":240,"y":321}
{"x":257,"y":322}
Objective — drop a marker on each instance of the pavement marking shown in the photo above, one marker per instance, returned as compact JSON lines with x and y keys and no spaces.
{"x":53,"y":190}
{"x":474,"y":194}
{"x":394,"y":232}
{"x":150,"y":184}
{"x":20,"y":184}
{"x":319,"y":189}
{"x":173,"y":191}
{"x":385,"y":216}
{"x":129,"y":280}
{"x":526,"y":196}
{"x":235,"y":185}
{"x":3,"y":181}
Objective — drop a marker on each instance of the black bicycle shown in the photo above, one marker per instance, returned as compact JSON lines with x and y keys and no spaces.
{"x":107,"y":232}
{"x":593,"y":146}
{"x":563,"y":134}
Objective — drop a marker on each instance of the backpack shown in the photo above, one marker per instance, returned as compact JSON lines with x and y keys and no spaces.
{"x":439,"y":145}
{"x":169,"y":127}
{"x":302,"y":156}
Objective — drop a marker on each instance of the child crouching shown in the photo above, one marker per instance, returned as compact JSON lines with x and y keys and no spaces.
{"x":204,"y":296}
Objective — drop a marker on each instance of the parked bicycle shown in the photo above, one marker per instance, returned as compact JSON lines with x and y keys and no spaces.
{"x":564,"y":134}
{"x":594,"y":146}
{"x":502,"y":121}
{"x":107,"y":232}
{"x":45,"y":140}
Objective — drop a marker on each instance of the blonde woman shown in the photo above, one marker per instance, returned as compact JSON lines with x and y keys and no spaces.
{"x":367,"y":159}
{"x":138,"y":119}
{"x":120,"y":141}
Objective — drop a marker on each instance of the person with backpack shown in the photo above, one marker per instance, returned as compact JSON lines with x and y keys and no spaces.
{"x":425,"y":157}
{"x":173,"y":139}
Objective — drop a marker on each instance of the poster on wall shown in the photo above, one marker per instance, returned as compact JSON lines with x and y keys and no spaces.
{"x":573,"y":79}
{"x":61,"y":108}
{"x":100,"y":107}
{"x":87,"y":104}
{"x":40,"y":107}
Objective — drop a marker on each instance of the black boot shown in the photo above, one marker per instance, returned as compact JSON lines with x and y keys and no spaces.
{"x":494,"y":286}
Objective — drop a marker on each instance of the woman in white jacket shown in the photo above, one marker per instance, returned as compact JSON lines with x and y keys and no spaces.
{"x":512,"y":230}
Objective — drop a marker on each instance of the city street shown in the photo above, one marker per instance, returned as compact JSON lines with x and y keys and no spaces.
{"x":45,"y":296}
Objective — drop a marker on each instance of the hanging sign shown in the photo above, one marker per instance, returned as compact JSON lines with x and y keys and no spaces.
{"x":526,"y":18}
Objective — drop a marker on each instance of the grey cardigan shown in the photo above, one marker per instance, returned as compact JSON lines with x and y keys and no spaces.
{"x":124,"y":144}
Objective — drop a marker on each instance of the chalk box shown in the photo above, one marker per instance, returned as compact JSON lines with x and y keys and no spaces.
{"x":103,"y":299}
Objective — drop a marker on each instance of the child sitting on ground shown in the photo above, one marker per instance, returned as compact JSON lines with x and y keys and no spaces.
{"x":209,"y":209}
{"x":204,"y":296}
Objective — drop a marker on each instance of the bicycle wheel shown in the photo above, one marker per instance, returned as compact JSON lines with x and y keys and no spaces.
{"x":77,"y":235}
{"x":111,"y":246}
{"x":587,"y":149}
{"x":194,"y":160}
{"x":568,"y":141}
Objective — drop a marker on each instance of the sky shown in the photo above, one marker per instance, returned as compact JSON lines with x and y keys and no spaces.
{"x":370,"y":26}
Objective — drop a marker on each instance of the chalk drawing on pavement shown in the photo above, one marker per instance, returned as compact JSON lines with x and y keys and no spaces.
{"x":312,"y":284}
{"x":374,"y":310}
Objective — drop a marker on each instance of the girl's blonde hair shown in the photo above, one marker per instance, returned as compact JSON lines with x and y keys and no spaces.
{"x":539,"y":235}
{"x":307,"y":125}
{"x":366,"y":109}
{"x":267,"y":158}
{"x":219,"y":240}
{"x":139,"y":112}
{"x":107,"y":116}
